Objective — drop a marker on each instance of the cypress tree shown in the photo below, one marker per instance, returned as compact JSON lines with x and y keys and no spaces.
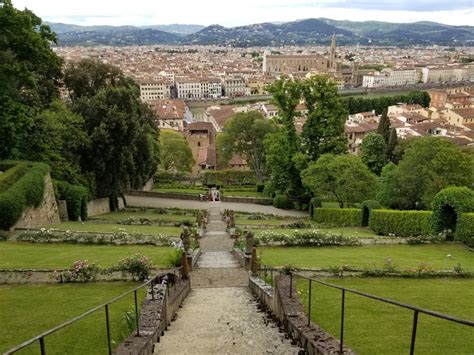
{"x":384,"y":126}
{"x":392,"y":143}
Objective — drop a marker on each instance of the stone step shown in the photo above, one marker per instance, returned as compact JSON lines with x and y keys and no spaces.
{"x":219,"y":277}
{"x":217,"y":260}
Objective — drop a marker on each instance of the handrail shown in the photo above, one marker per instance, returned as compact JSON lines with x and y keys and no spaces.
{"x":105,"y":305}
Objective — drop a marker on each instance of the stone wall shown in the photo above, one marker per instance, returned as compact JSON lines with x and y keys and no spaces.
{"x":149,"y":185}
{"x":101,"y":206}
{"x":46,"y":213}
{"x":156,"y":316}
{"x":290,"y":313}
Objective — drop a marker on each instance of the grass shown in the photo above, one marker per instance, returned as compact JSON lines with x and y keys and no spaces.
{"x":28,"y":310}
{"x":404,"y":256}
{"x":227,"y":192}
{"x":372,"y":327}
{"x":191,"y":191}
{"x":265,"y":222}
{"x":358,"y":232}
{"x":103,"y":227}
{"x":17,"y":255}
{"x":119,"y":216}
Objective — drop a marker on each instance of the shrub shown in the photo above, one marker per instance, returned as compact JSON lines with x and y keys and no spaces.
{"x":306,"y":238}
{"x":76,"y":197}
{"x":448,"y":205}
{"x":401,"y":223}
{"x":314,"y":203}
{"x":228,"y":178}
{"x":138,"y":266}
{"x":260,"y":187}
{"x":365,"y":208}
{"x":283,"y":202}
{"x":81,"y":271}
{"x":27,"y":191}
{"x":465,"y":228}
{"x":12,"y":175}
{"x":340,"y":217}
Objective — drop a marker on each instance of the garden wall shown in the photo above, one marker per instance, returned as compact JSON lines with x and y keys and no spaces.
{"x":101,"y":206}
{"x":290,"y":313}
{"x":46,"y":213}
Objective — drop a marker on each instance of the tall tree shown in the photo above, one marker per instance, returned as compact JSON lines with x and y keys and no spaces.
{"x":323,"y":131}
{"x":392,"y":143}
{"x":246,"y":132}
{"x":29,"y":74}
{"x":344,"y":178}
{"x":176,"y":155}
{"x":429,"y":164}
{"x":384,"y":126}
{"x":374,"y":152}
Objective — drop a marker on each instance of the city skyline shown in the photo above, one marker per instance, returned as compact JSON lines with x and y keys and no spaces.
{"x":207,"y":12}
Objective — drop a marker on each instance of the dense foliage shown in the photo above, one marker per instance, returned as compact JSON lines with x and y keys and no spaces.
{"x":401,"y":223}
{"x":283,"y":202}
{"x":76,"y":198}
{"x":176,"y":155}
{"x":366,"y":208}
{"x":379,"y":104}
{"x":343,"y":178}
{"x":10,"y":176}
{"x":27,"y":191}
{"x":465,"y":229}
{"x":346,"y":217}
{"x":373,"y":152}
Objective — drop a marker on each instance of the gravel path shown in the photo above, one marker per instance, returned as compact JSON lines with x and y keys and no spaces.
{"x":223,"y":321}
{"x":140,"y":201}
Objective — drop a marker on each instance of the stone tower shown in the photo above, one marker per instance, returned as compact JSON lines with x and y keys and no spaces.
{"x":332,"y":54}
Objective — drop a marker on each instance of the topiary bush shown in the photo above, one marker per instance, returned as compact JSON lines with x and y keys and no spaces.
{"x":448,"y":205}
{"x":283,"y":202}
{"x":12,"y":175}
{"x":401,"y":223}
{"x":314,"y":203}
{"x":76,"y":197}
{"x":27,"y":191}
{"x":365,"y":209}
{"x":465,"y":229}
{"x":339,"y":217}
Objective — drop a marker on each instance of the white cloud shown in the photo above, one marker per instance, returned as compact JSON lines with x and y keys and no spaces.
{"x":234,"y":13}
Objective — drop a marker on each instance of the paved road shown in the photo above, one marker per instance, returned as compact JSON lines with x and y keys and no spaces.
{"x":140,"y":201}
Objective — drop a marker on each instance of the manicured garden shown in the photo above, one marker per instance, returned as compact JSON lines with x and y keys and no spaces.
{"x":375,"y":328}
{"x":93,"y":226}
{"x":28,"y":310}
{"x":18,"y":255}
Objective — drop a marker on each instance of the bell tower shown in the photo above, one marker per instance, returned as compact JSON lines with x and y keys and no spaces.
{"x":332,"y":53}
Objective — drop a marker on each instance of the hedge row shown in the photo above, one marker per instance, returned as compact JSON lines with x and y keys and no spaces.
{"x":400,"y":223}
{"x":12,"y":175}
{"x":465,"y":229}
{"x":229,"y":178}
{"x":341,"y":217}
{"x":26,"y":192}
{"x":76,"y":198}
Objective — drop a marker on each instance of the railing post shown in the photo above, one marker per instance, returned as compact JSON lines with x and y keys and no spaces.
{"x":341,"y":349}
{"x":137,"y":321}
{"x":152,"y":285}
{"x":107,"y":321}
{"x":271,"y":276}
{"x":42,"y":347}
{"x":291,"y":284}
{"x":413,"y":332}
{"x":309,"y":304}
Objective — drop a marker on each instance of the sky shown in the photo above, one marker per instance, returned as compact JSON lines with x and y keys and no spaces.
{"x":243,"y":12}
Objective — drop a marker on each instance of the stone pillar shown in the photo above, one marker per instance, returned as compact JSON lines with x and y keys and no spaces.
{"x":254,"y":267}
{"x":184,"y":262}
{"x":62,"y":208}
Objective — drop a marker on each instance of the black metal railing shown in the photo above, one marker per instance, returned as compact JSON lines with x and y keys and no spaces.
{"x":416,"y":310}
{"x":156,"y":280}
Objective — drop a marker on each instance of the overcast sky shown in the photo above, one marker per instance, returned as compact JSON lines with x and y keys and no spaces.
{"x":243,"y":12}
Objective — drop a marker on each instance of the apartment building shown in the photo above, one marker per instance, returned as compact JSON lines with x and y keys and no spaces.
{"x":390,"y":77}
{"x":155,"y":89}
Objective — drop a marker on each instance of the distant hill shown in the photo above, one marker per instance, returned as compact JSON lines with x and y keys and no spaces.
{"x":302,"y":32}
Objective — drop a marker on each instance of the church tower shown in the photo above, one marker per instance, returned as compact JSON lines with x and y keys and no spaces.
{"x":332,"y":53}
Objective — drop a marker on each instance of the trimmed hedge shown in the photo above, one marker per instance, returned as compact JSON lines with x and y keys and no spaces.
{"x":229,"y":178}
{"x":76,"y":198}
{"x":365,"y":208}
{"x":401,"y":223}
{"x":12,"y":174}
{"x":26,"y":192}
{"x":339,"y":217}
{"x":448,"y":205}
{"x":314,"y":203}
{"x":465,"y":229}
{"x":283,"y":202}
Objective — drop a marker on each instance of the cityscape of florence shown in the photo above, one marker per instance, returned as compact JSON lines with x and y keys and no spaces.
{"x":285,"y":177}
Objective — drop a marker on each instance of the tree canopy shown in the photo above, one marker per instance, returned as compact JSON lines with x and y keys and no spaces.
{"x":373,"y":152}
{"x":176,"y":155}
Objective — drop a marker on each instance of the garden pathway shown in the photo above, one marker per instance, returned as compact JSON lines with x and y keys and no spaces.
{"x":217,"y":317}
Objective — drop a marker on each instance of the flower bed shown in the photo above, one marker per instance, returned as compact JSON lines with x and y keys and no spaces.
{"x":310,"y":238}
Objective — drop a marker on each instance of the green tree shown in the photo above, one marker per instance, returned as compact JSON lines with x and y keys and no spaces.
{"x":344,"y":178}
{"x":384,"y":127}
{"x":278,"y":161}
{"x":429,"y":164}
{"x":323,"y":131}
{"x":29,"y":74}
{"x":392,"y":144}
{"x":246,"y":132}
{"x":176,"y":155}
{"x":373,"y":151}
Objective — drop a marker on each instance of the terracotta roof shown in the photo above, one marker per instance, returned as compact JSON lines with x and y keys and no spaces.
{"x":222,"y":115}
{"x":465,"y":112}
{"x":200,"y":126}
{"x":168,"y":109}
{"x":361,"y":127}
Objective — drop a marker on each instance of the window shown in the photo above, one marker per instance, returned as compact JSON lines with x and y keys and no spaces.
{"x":199,"y":144}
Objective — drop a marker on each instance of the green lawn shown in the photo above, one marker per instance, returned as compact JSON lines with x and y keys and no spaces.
{"x":372,"y":327}
{"x":119,"y":216}
{"x":103,"y":227}
{"x":28,"y":310}
{"x":263,"y":223}
{"x":346,"y":231}
{"x":192,"y":191}
{"x":248,"y":193}
{"x":404,"y":256}
{"x":17,"y":255}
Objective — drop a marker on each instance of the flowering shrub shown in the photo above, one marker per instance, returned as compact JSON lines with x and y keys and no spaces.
{"x":118,"y":237}
{"x":313,"y":237}
{"x":81,"y":271}
{"x":138,"y":266}
{"x":427,"y":239}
